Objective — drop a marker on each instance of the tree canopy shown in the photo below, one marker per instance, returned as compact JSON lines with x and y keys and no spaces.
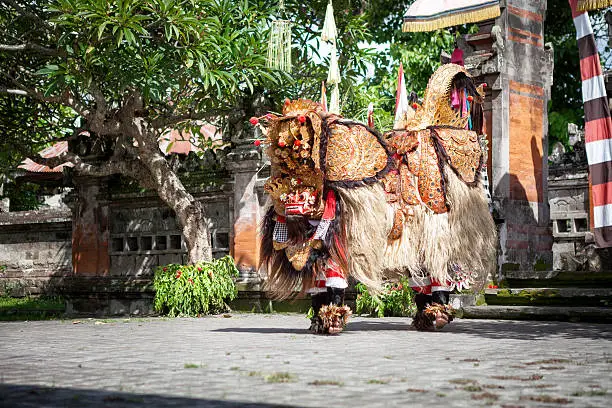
{"x":124,"y":71}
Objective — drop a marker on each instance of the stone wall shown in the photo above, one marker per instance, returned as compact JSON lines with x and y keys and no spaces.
{"x":569,"y":213}
{"x":144,"y":233}
{"x":35,"y":251}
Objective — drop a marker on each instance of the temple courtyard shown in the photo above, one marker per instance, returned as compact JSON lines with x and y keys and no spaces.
{"x":262,"y":360}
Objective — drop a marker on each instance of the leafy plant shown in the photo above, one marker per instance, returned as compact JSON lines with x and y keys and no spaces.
{"x":30,"y":308}
{"x":191,"y":290}
{"x":397,"y":299}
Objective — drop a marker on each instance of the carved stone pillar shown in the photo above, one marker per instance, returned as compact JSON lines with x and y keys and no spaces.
{"x":244,"y":162}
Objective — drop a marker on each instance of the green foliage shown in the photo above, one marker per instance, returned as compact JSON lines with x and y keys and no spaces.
{"x":558,"y":121}
{"x":184,"y":57}
{"x":310,"y":67}
{"x":31,"y":303}
{"x":397,"y":299}
{"x":193,"y":54}
{"x":565,"y":105}
{"x":23,"y":196}
{"x":191,"y":290}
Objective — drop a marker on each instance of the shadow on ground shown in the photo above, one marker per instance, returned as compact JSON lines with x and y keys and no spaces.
{"x":530,"y":330}
{"x":373,"y":325}
{"x":492,"y":329}
{"x":21,"y":396}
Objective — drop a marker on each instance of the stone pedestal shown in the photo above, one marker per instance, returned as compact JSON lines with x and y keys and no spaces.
{"x":510,"y":56}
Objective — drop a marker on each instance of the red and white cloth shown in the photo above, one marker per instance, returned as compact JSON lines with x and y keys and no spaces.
{"x":330,"y":277}
{"x":329,"y":214}
{"x":428,"y":285}
{"x":598,"y":128}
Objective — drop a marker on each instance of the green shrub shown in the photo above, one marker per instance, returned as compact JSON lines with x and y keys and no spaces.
{"x":397,"y":299}
{"x":191,"y":290}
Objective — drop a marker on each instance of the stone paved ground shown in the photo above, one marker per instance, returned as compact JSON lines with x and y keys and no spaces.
{"x":271,"y":360}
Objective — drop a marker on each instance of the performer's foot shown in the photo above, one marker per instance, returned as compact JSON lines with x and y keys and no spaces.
{"x":433,"y":317}
{"x":334,"y":318}
{"x":441,"y":320}
{"x":421,"y":322}
{"x":316,"y":325}
{"x":440,"y":315}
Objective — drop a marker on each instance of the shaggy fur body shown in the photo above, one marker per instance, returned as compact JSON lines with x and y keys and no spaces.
{"x":429,"y":242}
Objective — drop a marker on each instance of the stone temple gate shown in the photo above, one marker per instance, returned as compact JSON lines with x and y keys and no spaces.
{"x":99,"y":249}
{"x":509,"y":54}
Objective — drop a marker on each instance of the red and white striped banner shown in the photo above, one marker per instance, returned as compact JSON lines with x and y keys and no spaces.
{"x":597,"y":128}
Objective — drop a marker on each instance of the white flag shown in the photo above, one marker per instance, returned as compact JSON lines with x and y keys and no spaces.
{"x":401,"y":101}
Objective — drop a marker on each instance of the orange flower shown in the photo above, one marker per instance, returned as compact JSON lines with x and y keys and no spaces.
{"x":190,"y":281}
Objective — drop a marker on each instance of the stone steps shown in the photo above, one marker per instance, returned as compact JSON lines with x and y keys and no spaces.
{"x":558,"y":279}
{"x":559,"y":313}
{"x":564,"y":296}
{"x":549,"y":296}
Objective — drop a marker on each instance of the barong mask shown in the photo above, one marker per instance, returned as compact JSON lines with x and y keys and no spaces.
{"x":296,"y":184}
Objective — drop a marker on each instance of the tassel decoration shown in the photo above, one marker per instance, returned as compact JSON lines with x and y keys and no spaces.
{"x":279,"y":44}
{"x":329,"y":33}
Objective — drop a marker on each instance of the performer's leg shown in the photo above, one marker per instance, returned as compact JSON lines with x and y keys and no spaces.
{"x":335,"y":296}
{"x":319,"y":298}
{"x":336,"y":314}
{"x":422,"y":299}
{"x":440,"y":294}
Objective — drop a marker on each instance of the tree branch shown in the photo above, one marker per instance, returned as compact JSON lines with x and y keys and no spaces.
{"x":32,"y":47}
{"x":166,"y":121}
{"x":4,"y":89}
{"x":131,"y":168}
{"x":99,"y":115}
{"x":66,"y":99}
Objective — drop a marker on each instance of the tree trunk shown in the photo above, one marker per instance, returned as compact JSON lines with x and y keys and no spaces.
{"x":189,"y":211}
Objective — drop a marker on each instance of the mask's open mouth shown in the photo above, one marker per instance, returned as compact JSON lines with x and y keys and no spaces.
{"x":301,"y":201}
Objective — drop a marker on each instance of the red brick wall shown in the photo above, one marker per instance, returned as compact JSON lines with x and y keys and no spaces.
{"x":526,"y":134}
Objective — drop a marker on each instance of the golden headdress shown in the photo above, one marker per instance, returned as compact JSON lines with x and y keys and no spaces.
{"x":436,"y":109}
